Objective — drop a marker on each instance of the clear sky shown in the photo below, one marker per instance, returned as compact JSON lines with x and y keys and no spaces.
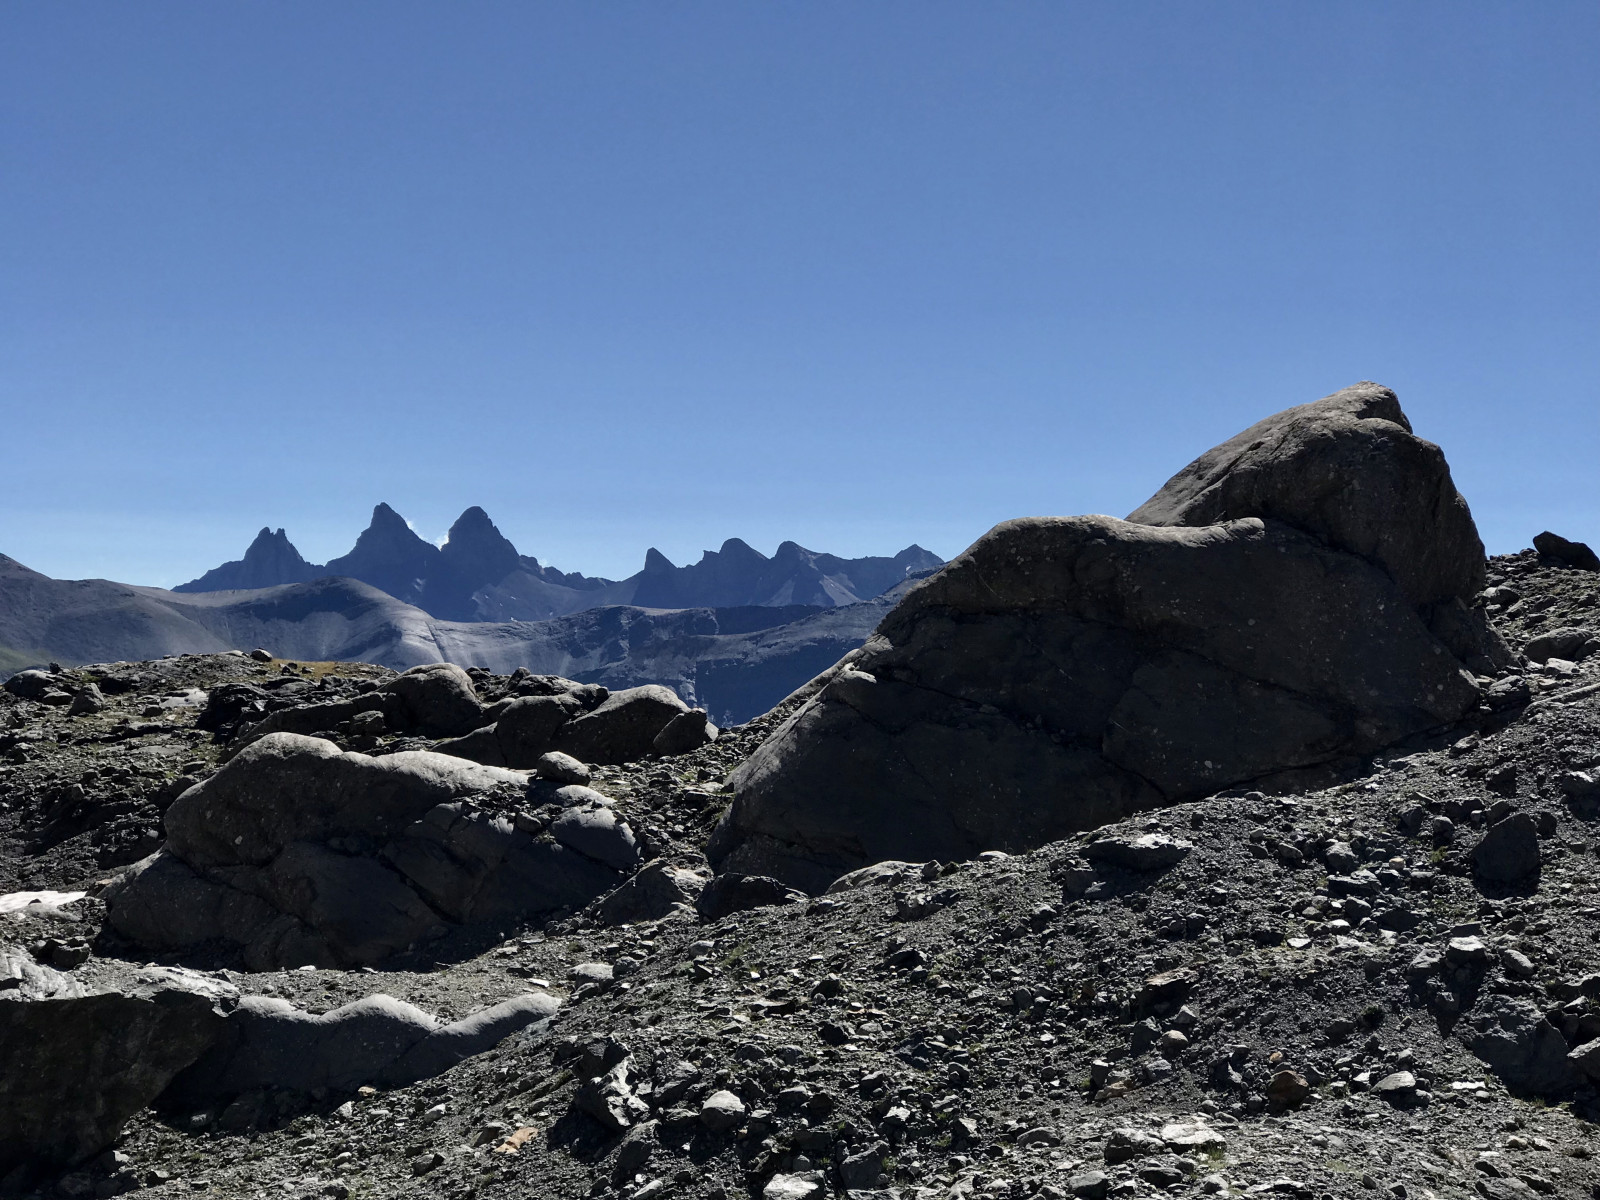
{"x":858,"y":275}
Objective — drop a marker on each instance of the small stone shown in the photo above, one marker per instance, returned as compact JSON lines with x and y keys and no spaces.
{"x":424,"y":1163}
{"x":1516,"y":964}
{"x":1340,"y":858}
{"x":1402,"y":1085}
{"x":1288,"y":1089}
{"x":1124,"y":1144}
{"x":1463,"y":951}
{"x":793,"y":1187}
{"x":1173,"y":1042}
{"x":1091,"y":1185}
{"x":1193,"y":1135}
{"x":596,"y":973}
{"x":722,"y":1111}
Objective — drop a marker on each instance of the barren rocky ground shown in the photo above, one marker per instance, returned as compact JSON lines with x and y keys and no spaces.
{"x":1260,"y":841}
{"x":1274,"y":994}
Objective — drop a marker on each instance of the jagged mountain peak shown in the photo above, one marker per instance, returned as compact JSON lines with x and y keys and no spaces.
{"x":270,"y":561}
{"x":387,"y":523}
{"x":477,"y":574}
{"x":476,"y":539}
{"x":739,"y":550}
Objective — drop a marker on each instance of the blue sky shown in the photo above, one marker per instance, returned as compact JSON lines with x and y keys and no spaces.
{"x":645,"y":274}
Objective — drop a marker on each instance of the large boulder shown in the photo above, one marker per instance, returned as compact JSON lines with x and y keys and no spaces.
{"x":627,"y":725}
{"x":1552,"y":547}
{"x":655,"y":891}
{"x":297,"y":853}
{"x":523,"y":733}
{"x":1517,"y":1042}
{"x":588,"y":724}
{"x":1065,"y":672}
{"x":80,"y":1060}
{"x":434,"y":700}
{"x":1348,"y":469}
{"x":31,"y":685}
{"x":439,"y":699}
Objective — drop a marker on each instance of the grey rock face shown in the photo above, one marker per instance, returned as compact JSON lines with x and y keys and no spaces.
{"x":80,"y":1062}
{"x":594,"y":830}
{"x":1348,"y":469}
{"x":1064,"y":672}
{"x":302,"y":854}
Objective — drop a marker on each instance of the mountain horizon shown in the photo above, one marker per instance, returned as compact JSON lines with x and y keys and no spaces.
{"x":477,"y":574}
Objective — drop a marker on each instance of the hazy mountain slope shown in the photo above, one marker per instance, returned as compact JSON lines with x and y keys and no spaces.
{"x":736,"y":661}
{"x":718,"y":659}
{"x":327,"y":619}
{"x":90,"y":620}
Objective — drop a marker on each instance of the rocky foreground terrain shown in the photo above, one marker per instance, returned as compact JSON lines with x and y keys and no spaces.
{"x":319,"y":929}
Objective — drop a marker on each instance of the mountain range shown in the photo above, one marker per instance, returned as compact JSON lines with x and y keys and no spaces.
{"x":477,"y":575}
{"x":733,"y":633}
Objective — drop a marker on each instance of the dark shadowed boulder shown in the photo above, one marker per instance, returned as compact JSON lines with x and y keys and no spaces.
{"x":297,"y":853}
{"x":624,"y":728}
{"x":439,"y":699}
{"x":1509,"y":851}
{"x":653,"y":892}
{"x":31,"y":685}
{"x":732,"y":892}
{"x":1065,"y":672}
{"x":1141,"y":852}
{"x":79,"y":1061}
{"x":1557,"y":549}
{"x":1518,"y":1044}
{"x":1348,"y":469}
{"x":523,"y":733}
{"x":685,"y":732}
